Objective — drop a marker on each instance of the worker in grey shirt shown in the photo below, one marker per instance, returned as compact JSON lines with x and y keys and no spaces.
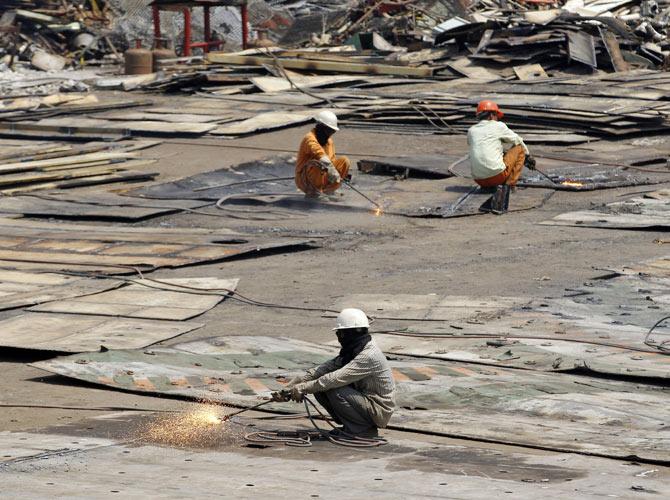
{"x":357,"y":386}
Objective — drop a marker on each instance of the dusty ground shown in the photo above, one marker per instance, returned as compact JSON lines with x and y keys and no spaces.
{"x":483,"y":255}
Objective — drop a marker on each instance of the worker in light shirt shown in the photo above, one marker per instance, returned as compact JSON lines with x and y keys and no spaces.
{"x":356,"y":387}
{"x":497,"y":155}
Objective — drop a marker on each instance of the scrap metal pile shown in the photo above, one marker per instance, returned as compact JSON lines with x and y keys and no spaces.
{"x":53,"y":34}
{"x":612,"y":35}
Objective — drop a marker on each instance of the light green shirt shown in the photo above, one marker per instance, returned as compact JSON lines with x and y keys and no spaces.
{"x":487,"y":140}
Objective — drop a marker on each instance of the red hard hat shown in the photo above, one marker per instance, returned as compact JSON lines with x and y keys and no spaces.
{"x":489,"y":107}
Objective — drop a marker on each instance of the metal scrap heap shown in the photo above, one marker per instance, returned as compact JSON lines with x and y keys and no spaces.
{"x":612,"y":35}
{"x":53,"y":34}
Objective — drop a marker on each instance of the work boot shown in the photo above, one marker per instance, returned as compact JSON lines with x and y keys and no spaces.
{"x":370,"y":433}
{"x":337,"y":432}
{"x":333,"y":197}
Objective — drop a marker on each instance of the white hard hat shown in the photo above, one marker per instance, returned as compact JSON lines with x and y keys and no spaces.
{"x":351,"y":318}
{"x":328,"y":118}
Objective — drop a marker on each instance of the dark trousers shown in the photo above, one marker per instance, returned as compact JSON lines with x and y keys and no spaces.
{"x":349,"y":408}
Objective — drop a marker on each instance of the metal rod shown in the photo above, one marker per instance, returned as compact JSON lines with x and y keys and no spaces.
{"x":187,"y":32}
{"x":462,"y":199}
{"x":244,"y":13}
{"x":246,"y":181}
{"x":362,"y":194}
{"x":545,"y":175}
{"x":230,"y":415}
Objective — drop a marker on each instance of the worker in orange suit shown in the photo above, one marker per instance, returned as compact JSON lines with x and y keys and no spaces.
{"x":317,"y":170}
{"x":487,"y":140}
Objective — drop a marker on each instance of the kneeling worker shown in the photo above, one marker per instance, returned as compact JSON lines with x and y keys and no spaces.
{"x":357,"y":386}
{"x":487,"y":140}
{"x":318,"y":170}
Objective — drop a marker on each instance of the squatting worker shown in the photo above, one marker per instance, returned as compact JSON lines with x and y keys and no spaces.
{"x":487,"y":141}
{"x":357,"y":386}
{"x":318,"y":170}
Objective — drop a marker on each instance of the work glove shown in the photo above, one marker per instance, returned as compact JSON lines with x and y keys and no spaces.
{"x":327,"y":165}
{"x":281,"y":396}
{"x":297,"y":395}
{"x":333,"y":175}
{"x":530,"y":162}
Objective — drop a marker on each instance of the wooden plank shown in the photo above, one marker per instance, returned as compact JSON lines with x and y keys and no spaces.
{"x":147,"y":299}
{"x":326,"y":66}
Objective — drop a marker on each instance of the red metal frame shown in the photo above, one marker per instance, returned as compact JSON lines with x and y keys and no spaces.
{"x":245,"y":25}
{"x":208,"y":43}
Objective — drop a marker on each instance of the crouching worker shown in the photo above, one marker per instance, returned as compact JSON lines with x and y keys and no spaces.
{"x":357,"y":386}
{"x":318,"y":170}
{"x":487,"y":140}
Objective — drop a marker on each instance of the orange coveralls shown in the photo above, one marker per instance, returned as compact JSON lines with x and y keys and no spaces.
{"x":309,"y":177}
{"x":514,"y":160}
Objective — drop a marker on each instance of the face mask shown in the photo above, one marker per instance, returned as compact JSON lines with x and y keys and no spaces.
{"x":323,"y":134}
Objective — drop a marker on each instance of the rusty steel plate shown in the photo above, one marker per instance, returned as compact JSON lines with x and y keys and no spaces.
{"x":547,"y":410}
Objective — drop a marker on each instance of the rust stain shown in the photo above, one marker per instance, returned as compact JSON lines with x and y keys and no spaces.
{"x":181,"y":382}
{"x":144,"y":384}
{"x":256,"y":385}
{"x":426,"y":370}
{"x":400,"y":377}
{"x":462,"y":371}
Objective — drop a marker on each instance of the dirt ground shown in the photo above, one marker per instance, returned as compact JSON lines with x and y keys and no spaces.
{"x":485,"y":255}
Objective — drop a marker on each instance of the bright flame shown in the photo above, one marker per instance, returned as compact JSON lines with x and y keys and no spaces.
{"x":200,"y":426}
{"x":378,"y":212}
{"x":572,"y":183}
